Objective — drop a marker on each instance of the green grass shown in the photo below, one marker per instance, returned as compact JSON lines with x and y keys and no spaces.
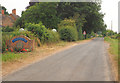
{"x":13,"y":56}
{"x":114,"y":51}
{"x":10,"y":56}
{"x":113,"y":45}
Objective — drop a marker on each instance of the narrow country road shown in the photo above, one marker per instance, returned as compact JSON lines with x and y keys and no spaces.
{"x":84,"y":62}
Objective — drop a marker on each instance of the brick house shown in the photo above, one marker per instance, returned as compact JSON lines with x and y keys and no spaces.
{"x":8,"y":20}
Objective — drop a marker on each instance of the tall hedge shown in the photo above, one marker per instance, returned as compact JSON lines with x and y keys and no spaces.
{"x":68,"y":33}
{"x":67,"y":30}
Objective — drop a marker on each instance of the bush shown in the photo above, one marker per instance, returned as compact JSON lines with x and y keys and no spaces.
{"x":45,"y":35}
{"x":87,"y":36}
{"x":68,"y":33}
{"x":92,"y":34}
{"x":52,"y":36}
{"x":80,"y":35}
{"x":7,"y":29}
{"x":5,"y":36}
{"x":114,"y":36}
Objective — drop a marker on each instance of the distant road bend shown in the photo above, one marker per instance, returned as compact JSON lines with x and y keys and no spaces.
{"x":84,"y":62}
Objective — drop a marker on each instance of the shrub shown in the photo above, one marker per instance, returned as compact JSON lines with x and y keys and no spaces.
{"x":7,"y":29}
{"x":68,"y":33}
{"x":114,"y":36}
{"x":80,"y":35}
{"x":45,"y":35}
{"x":52,"y":36}
{"x":5,"y":36}
{"x":67,"y":30}
{"x":87,"y":36}
{"x":92,"y":34}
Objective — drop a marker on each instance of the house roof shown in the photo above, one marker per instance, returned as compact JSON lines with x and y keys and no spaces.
{"x":6,"y":16}
{"x":15,"y":16}
{"x":11,"y":19}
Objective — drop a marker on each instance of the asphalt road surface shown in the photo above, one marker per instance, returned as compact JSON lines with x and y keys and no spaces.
{"x":84,"y":62}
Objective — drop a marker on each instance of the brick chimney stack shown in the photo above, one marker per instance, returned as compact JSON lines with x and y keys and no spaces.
{"x":2,"y":12}
{"x":14,"y":11}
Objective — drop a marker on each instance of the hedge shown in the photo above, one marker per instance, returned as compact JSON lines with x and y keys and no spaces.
{"x":45,"y":35}
{"x":68,"y":33}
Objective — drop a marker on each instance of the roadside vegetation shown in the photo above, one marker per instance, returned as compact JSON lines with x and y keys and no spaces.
{"x":51,"y":23}
{"x":113,"y":46}
{"x":113,"y":39}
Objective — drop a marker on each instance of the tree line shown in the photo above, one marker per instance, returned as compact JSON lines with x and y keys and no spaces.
{"x":87,"y":15}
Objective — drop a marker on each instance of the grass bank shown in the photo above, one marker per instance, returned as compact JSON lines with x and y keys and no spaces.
{"x":113,"y":50}
{"x":113,"y":46}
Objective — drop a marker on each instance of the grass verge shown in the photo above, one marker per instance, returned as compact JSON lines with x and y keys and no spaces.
{"x":113,"y":50}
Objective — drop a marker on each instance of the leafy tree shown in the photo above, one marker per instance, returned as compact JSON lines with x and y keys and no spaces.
{"x":80,"y":20}
{"x":90,"y":10}
{"x":45,"y":12}
{"x":19,"y":23}
{"x":67,"y":22}
{"x":87,"y":15}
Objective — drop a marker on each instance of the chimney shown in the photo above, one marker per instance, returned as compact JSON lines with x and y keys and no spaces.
{"x":14,"y":11}
{"x":2,"y":12}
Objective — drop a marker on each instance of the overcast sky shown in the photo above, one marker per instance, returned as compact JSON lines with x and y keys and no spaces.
{"x":109,"y":7}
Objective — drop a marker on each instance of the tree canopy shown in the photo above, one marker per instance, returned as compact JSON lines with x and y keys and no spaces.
{"x":87,"y":15}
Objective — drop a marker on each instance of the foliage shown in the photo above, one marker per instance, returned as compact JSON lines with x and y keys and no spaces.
{"x":67,"y":30}
{"x":80,"y":35}
{"x":7,"y":29}
{"x":115,"y":36}
{"x":88,"y":36}
{"x":10,"y":56}
{"x":87,"y":15}
{"x":68,"y":33}
{"x":67,"y":22}
{"x":92,"y":34}
{"x":19,"y":23}
{"x":45,"y":35}
{"x":113,"y":45}
{"x":5,"y":36}
{"x":104,"y":33}
{"x":110,"y":33}
{"x":45,"y":12}
{"x":79,"y":20}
